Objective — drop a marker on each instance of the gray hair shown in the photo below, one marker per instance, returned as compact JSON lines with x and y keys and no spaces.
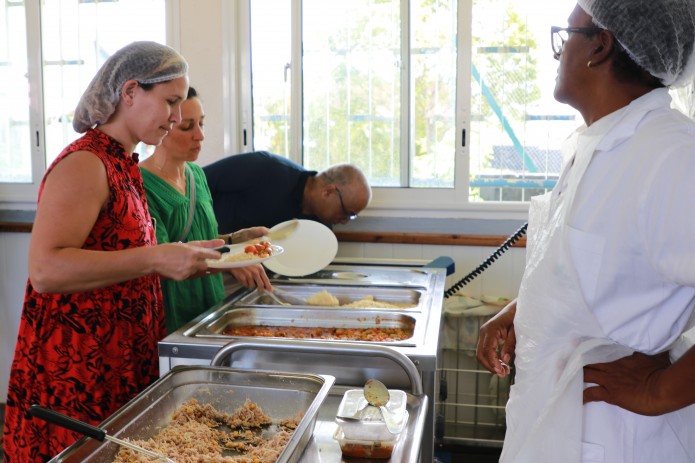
{"x":346,"y":175}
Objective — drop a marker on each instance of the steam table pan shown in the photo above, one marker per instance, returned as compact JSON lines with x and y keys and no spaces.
{"x":403,"y":298}
{"x":280,"y":395}
{"x":311,"y":319}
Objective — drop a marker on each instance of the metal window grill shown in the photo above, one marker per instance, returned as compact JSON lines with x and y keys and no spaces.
{"x":470,"y":408}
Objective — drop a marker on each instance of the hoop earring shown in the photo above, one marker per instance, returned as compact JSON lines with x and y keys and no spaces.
{"x":588,"y":64}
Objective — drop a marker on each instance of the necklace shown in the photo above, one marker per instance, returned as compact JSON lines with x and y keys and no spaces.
{"x":178,"y":181}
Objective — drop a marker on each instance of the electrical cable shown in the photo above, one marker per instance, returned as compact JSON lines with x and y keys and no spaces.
{"x":509,"y":242}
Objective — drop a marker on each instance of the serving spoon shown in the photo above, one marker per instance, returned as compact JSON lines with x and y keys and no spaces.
{"x":289,"y":297}
{"x":275,"y":298}
{"x":87,"y":429}
{"x":377,"y":395}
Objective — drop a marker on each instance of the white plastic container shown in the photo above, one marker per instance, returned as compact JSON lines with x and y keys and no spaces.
{"x":367,"y":423}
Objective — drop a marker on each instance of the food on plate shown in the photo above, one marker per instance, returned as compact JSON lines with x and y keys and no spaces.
{"x":372,"y":334}
{"x":199,"y":432}
{"x":258,"y":250}
{"x":324,"y":298}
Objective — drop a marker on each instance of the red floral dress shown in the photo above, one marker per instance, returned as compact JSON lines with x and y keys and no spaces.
{"x":86,"y":354}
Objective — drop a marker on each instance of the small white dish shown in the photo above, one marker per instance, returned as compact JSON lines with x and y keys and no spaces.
{"x":361,"y":421}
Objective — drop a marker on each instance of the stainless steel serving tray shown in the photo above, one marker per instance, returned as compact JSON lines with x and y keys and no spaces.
{"x":309,"y":318}
{"x":280,"y":395}
{"x":322,"y":447}
{"x":409,"y":298}
{"x":368,"y":275}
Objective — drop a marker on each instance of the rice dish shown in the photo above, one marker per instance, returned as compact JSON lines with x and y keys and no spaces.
{"x":200,"y":433}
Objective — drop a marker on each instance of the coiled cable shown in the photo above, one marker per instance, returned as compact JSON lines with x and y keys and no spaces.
{"x":509,"y":242}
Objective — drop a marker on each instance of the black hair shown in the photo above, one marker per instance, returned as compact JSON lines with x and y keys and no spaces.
{"x":146,"y":87}
{"x":192,"y":93}
{"x":628,"y":71}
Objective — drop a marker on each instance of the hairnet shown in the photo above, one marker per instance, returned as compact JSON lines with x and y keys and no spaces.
{"x":146,"y":62}
{"x":659,"y":35}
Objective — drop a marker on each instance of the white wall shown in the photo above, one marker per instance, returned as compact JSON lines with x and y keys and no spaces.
{"x":501,"y":279}
{"x":200,"y":41}
{"x":14,"y":248}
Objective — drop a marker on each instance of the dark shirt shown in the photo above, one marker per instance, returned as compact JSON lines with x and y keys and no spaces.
{"x":256,"y":189}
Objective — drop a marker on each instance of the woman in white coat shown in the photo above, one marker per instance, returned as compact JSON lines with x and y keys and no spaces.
{"x":599,"y":331}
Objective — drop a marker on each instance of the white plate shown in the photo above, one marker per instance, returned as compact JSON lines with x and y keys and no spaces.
{"x":309,"y":249}
{"x":236,"y":249}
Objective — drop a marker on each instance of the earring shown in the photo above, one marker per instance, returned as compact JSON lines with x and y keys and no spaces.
{"x":588,"y":64}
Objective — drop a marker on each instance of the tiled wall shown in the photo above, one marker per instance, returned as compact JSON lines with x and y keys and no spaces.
{"x":501,"y":279}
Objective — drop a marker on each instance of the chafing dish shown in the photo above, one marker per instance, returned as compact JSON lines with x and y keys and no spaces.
{"x":405,"y":298}
{"x":308,"y":318}
{"x":197,"y":342}
{"x":280,"y":395}
{"x":323,"y":448}
{"x":364,"y":274}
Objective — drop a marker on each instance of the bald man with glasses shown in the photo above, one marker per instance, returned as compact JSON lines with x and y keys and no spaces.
{"x":265,"y":189}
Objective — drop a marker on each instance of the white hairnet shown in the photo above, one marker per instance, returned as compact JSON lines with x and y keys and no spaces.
{"x":146,"y":62}
{"x":659,"y":35}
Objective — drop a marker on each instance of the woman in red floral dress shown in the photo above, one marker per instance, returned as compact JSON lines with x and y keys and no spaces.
{"x":92,"y":312}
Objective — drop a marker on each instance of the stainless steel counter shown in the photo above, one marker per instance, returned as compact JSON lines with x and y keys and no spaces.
{"x":350,"y":362}
{"x":323,"y":448}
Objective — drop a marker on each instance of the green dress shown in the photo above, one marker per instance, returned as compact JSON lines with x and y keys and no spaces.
{"x":184,"y":300}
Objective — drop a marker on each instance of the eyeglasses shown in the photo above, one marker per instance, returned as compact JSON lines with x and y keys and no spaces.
{"x":560,"y":35}
{"x":348,"y":215}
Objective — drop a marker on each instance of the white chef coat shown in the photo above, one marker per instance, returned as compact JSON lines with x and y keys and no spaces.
{"x":633,"y":244}
{"x":630,"y":235}
{"x":633,"y":222}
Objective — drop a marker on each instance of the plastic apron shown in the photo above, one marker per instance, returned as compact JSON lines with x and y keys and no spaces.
{"x":556,"y":332}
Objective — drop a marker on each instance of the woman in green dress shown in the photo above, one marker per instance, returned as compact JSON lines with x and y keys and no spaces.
{"x":180,"y":203}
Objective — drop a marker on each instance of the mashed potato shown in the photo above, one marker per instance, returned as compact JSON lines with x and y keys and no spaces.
{"x":368,"y":302}
{"x":324,"y":298}
{"x":238,"y":257}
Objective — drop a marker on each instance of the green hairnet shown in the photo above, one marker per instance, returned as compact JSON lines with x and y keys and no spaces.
{"x":659,"y":35}
{"x":146,"y":62}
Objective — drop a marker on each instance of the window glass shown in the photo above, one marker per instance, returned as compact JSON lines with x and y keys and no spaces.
{"x":15,"y":132}
{"x":379,"y":88}
{"x":271,"y":42}
{"x":352,"y":96}
{"x":433,"y":63}
{"x":79,"y":36}
{"x":517,"y":127}
{"x":356,"y":106}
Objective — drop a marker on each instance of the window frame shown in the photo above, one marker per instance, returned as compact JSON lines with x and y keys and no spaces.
{"x":24,"y":195}
{"x":237,"y":116}
{"x":21,"y":194}
{"x":386,"y":201}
